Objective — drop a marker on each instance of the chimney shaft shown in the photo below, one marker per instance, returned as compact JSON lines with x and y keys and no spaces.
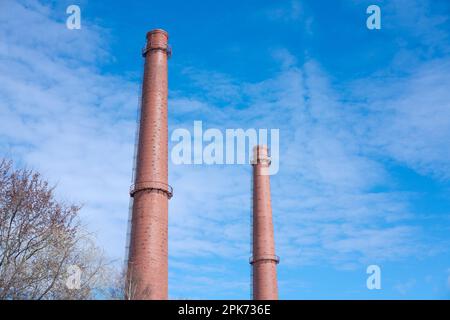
{"x":147,"y":276}
{"x":264,"y":260}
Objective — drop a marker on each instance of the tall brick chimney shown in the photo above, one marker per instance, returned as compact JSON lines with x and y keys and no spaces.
{"x":147,"y":275}
{"x":264,"y":260}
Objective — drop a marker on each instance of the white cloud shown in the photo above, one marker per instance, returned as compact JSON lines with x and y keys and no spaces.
{"x":323,"y":205}
{"x":415,"y":122}
{"x":285,"y":57}
{"x":62,"y":117}
{"x":289,"y":11}
{"x":406,"y":287}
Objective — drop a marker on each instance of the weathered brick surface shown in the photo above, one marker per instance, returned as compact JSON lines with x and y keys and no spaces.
{"x":264,"y":260}
{"x":147,"y":262}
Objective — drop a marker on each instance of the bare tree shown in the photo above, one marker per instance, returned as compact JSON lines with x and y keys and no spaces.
{"x":41,"y":239}
{"x":121,"y":285}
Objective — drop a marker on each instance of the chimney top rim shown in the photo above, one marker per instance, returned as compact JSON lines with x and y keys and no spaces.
{"x":158,"y":31}
{"x":261,"y":147}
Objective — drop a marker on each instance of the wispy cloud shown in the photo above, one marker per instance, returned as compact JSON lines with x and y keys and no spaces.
{"x":415,"y":126}
{"x":288,"y":11}
{"x":405,"y":288}
{"x":64,"y":118}
{"x":324,"y":205}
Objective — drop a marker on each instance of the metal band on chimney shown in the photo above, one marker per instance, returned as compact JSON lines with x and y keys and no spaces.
{"x":167,"y":49}
{"x":156,"y":44}
{"x":266,"y":258}
{"x":154,"y":186}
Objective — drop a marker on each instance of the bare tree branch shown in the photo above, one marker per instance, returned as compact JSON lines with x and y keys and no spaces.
{"x":40,"y":238}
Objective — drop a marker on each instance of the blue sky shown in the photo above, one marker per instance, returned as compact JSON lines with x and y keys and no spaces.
{"x":364,"y":119}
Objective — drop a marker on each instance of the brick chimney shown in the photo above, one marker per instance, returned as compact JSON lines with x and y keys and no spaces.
{"x":147,"y":275}
{"x":264,"y":260}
